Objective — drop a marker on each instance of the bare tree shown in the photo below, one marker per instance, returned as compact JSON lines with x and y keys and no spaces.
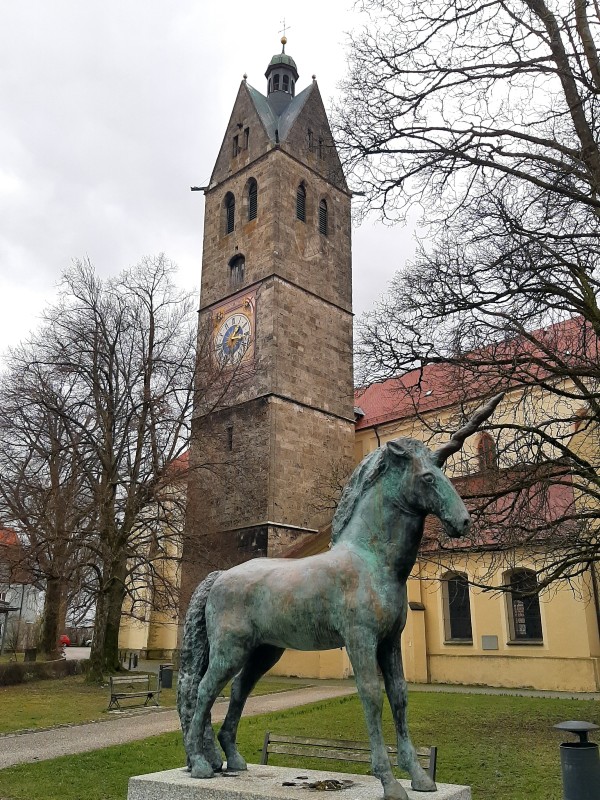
{"x":124,"y":347}
{"x":486,"y":114}
{"x":43,"y":493}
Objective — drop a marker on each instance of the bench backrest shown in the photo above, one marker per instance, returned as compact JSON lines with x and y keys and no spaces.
{"x":337,"y":750}
{"x":129,"y":680}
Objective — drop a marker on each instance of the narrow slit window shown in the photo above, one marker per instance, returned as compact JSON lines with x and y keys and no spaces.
{"x":246,"y":138}
{"x":275,"y":83}
{"x":252,"y":200}
{"x":286,"y":83}
{"x":236,"y":145}
{"x":323,"y":221}
{"x":321,"y":149}
{"x":230,"y":437}
{"x":311,"y":143}
{"x":301,"y":203}
{"x":229,"y":213}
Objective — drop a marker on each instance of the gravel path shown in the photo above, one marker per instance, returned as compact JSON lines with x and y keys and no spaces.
{"x":43,"y":745}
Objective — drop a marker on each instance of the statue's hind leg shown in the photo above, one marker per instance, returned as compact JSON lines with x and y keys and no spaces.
{"x":260,"y":661}
{"x":390,"y":662}
{"x":221,"y":668}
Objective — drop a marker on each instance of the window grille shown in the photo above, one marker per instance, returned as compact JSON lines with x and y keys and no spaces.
{"x":301,"y":203}
{"x":229,"y":213}
{"x":252,"y":200}
{"x":323,"y":218}
{"x":524,"y":609}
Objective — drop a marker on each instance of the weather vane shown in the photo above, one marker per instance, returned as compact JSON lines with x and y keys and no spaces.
{"x":283,"y":31}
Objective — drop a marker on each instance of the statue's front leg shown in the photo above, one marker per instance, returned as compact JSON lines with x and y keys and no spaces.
{"x":362,"y":652}
{"x":390,"y":662}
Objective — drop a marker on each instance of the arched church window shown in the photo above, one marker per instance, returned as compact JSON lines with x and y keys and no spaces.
{"x":524,"y":618}
{"x":229,"y":212}
{"x":457,"y":607}
{"x":486,"y":453}
{"x":252,"y":199}
{"x":323,"y":220}
{"x":301,"y":203}
{"x":237,"y":267}
{"x":276,"y":82}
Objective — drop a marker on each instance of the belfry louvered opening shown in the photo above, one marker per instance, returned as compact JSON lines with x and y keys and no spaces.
{"x":252,"y":199}
{"x":323,"y":221}
{"x":301,"y":203}
{"x":229,"y":212}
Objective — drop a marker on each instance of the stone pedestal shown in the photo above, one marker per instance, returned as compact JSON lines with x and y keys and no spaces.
{"x":266,"y":783}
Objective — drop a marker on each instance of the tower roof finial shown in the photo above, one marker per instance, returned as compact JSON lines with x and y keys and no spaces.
{"x":283,"y":42}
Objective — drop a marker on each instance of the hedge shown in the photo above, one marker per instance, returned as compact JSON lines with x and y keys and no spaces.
{"x":14,"y":672}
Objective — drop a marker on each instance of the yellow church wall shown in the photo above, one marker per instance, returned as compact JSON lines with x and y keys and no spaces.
{"x":311,"y":664}
{"x":566,"y":659}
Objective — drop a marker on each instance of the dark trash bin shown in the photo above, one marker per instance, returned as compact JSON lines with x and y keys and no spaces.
{"x":165,"y":676}
{"x":580,"y":763}
{"x":30,"y":654}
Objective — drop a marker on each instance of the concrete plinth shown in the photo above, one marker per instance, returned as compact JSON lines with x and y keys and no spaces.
{"x":265,"y":783}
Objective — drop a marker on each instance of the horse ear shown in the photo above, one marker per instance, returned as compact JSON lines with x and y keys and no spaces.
{"x":397,"y":450}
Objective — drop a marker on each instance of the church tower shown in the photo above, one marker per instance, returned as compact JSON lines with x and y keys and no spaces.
{"x":274,"y":401}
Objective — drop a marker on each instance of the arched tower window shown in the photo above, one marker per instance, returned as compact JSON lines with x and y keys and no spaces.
{"x":486,"y":453}
{"x":457,"y":607}
{"x":237,"y":267}
{"x":524,"y":618}
{"x":229,"y":212}
{"x":301,"y":203}
{"x":252,"y":199}
{"x":276,"y":82}
{"x":323,"y":218}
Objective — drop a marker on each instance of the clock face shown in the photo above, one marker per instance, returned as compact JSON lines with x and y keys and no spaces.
{"x":232,"y":338}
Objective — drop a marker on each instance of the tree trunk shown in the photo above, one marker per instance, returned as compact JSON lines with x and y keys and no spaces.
{"x":51,"y":622}
{"x":104,"y":657}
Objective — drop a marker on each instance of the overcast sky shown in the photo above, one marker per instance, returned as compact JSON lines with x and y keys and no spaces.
{"x":110,"y":111}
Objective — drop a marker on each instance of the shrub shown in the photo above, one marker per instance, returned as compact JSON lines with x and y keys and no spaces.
{"x":19,"y":672}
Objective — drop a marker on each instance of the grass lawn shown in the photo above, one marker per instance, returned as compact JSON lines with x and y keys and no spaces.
{"x":40,"y":704}
{"x":504,"y":747}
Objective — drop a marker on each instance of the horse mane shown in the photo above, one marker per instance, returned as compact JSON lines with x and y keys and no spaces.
{"x":367,"y":472}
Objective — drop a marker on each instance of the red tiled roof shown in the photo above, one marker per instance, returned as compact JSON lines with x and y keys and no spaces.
{"x":8,"y":537}
{"x":437,"y":386}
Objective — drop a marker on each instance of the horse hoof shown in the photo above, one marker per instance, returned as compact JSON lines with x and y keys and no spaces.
{"x":201,"y":768}
{"x":394,"y":791}
{"x":424,"y":784}
{"x":236,"y":763}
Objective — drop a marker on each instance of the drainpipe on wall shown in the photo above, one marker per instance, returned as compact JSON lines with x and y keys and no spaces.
{"x":596,"y":592}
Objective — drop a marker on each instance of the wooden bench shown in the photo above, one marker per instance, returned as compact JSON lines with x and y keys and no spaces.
{"x":337,"y":750}
{"x":123,"y":687}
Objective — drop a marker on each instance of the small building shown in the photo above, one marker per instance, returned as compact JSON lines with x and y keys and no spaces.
{"x":21,"y":601}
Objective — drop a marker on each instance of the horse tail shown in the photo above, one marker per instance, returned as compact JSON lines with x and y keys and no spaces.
{"x":194,"y":653}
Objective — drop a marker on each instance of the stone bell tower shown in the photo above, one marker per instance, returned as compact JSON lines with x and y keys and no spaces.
{"x":275,"y":329}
